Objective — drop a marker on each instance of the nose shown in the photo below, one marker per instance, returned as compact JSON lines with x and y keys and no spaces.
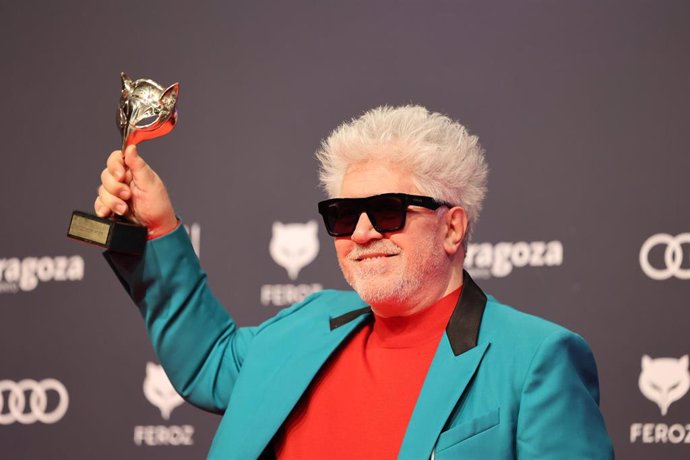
{"x":365,"y":231}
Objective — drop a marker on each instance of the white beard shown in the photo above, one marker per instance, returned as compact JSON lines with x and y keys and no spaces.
{"x":383,"y":284}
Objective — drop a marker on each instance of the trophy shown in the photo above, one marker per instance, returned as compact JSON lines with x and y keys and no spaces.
{"x":146,"y":111}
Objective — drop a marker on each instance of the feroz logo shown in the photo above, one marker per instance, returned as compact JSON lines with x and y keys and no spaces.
{"x":673,"y":256}
{"x":160,"y":392}
{"x":663,"y":381}
{"x":484,"y":260}
{"x":293,"y":247}
{"x":37,"y":402}
{"x":24,"y":275}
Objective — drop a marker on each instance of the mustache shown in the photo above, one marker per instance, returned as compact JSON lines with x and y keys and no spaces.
{"x":384,"y":247}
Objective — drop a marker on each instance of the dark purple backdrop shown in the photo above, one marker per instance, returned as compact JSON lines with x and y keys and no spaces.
{"x":581,"y":106}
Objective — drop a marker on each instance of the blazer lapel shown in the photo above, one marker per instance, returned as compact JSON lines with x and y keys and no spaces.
{"x":456,"y":360}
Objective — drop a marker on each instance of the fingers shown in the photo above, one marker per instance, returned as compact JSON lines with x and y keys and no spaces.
{"x":116,"y":165}
{"x":101,"y":209}
{"x":113,"y":186}
{"x":107,"y":202}
{"x":112,"y":192}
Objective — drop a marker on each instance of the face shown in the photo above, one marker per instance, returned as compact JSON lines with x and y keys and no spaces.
{"x":400,"y":272}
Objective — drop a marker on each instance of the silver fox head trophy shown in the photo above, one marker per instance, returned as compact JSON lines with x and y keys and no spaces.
{"x":146,"y":110}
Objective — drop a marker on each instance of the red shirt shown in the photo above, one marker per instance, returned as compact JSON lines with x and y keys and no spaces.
{"x":360,"y":403}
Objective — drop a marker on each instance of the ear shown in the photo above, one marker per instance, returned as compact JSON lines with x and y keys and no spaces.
{"x":277,"y":226}
{"x":127,"y":83}
{"x":684,"y":362}
{"x":646,"y":362}
{"x":456,"y":228}
{"x":169,"y":96}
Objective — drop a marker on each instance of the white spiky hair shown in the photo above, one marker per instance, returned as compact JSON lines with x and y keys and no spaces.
{"x":445,"y":160}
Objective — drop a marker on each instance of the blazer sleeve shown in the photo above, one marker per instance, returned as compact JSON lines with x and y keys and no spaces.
{"x":198,"y":343}
{"x":559,"y":416}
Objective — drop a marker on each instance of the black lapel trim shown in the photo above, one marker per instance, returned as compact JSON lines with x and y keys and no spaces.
{"x":347,"y":317}
{"x":463,"y":326}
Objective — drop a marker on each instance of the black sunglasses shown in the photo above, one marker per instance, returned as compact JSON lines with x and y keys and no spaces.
{"x":386,"y":212}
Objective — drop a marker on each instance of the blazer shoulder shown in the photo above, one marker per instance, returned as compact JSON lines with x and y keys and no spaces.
{"x":522,"y":343}
{"x":320,"y":305}
{"x":503,"y":322}
{"x":332,"y":302}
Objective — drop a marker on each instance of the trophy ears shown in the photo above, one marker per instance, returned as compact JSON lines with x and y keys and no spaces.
{"x":127,"y":83}
{"x":169,"y":96}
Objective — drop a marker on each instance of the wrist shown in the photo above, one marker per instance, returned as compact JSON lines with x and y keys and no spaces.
{"x":163,"y":229}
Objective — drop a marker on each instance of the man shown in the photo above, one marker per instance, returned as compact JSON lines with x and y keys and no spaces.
{"x":418,"y":363}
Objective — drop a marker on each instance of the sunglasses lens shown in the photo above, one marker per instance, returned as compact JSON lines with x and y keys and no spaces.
{"x":387,"y":213}
{"x":341,"y":217}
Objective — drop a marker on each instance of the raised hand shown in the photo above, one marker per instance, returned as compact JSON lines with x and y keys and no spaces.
{"x":130,"y":188}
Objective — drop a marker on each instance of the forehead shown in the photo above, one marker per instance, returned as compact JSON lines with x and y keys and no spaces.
{"x":374,"y":178}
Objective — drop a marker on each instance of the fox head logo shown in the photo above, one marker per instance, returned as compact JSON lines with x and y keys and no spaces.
{"x":159,"y":391}
{"x":664,"y":380}
{"x":294,"y":246}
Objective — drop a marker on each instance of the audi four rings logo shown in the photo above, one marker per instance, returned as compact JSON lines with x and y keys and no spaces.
{"x":32,"y":409}
{"x":673,"y":256}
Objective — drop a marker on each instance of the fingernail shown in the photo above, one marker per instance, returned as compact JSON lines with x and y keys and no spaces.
{"x":118,"y":173}
{"x":120,"y":208}
{"x":124,"y":194}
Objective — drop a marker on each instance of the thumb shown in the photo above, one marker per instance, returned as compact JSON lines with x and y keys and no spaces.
{"x":141,"y":171}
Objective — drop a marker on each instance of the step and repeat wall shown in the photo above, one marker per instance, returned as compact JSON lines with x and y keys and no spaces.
{"x":582,"y":107}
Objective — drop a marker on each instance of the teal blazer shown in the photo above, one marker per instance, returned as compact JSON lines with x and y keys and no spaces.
{"x":502,"y":384}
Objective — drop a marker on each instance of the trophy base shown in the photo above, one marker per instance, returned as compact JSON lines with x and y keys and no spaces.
{"x":114,"y":234}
